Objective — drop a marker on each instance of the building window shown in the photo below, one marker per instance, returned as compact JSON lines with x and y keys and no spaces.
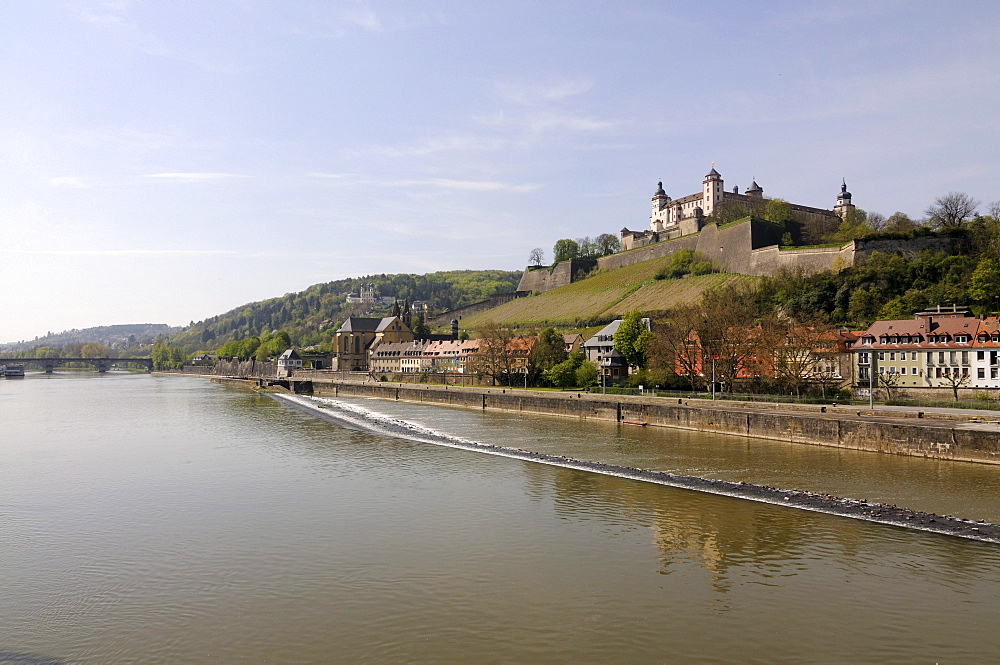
{"x":881,"y":355}
{"x":981,"y":373}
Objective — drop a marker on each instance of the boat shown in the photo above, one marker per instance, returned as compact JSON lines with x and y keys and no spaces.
{"x":13,"y":370}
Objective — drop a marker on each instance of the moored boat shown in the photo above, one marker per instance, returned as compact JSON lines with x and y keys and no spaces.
{"x":13,"y":370}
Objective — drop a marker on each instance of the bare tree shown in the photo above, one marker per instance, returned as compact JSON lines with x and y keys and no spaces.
{"x":952,"y":210}
{"x":675,"y":347}
{"x":588,"y":248}
{"x":798,"y":358}
{"x":876,"y":221}
{"x":496,"y":357}
{"x":889,"y":382}
{"x":737,"y":334}
{"x":607,"y":244}
{"x":955,"y":379}
{"x":536,"y":257}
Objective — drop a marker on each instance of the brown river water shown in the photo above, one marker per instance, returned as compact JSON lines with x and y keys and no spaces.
{"x":169,"y":520}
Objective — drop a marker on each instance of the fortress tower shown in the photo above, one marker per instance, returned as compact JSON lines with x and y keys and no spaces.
{"x":711,"y":192}
{"x":660,"y":202}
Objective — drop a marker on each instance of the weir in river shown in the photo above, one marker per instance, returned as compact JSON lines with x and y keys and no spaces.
{"x":359,"y":418}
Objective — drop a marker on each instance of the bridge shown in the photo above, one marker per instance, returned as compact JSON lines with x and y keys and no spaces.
{"x":102,"y":364}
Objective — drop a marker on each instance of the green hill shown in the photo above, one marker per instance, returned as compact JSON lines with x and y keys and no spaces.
{"x":604,"y":296}
{"x":312,"y":316}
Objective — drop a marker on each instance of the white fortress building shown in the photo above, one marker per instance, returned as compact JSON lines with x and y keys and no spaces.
{"x":672,"y":218}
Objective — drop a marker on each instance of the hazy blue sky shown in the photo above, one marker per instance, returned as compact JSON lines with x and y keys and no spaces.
{"x":167,"y":161}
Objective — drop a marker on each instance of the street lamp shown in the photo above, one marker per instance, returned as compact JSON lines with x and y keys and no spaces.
{"x":713,"y":377}
{"x":871,"y":378}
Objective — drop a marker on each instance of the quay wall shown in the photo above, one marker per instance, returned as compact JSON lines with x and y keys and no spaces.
{"x":860,"y":430}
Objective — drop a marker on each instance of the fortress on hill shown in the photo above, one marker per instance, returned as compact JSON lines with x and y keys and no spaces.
{"x":673,"y":218}
{"x":750,"y":245}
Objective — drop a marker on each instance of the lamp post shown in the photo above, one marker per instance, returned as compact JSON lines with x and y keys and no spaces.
{"x":713,"y":377}
{"x":871,"y":378}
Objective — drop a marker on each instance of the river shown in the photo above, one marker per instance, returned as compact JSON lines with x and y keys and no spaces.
{"x":170,"y":520}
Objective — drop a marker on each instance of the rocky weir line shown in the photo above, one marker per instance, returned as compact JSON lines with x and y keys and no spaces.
{"x":353,"y":417}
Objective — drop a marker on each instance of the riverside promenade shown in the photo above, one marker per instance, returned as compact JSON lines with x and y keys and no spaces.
{"x":952,"y":434}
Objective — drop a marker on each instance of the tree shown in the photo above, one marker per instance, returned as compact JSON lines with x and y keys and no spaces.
{"x":536,"y":257}
{"x":94,"y":350}
{"x":855,"y":225}
{"x":564,"y":250}
{"x":876,"y":221}
{"x":588,"y":248}
{"x":984,"y":284}
{"x":496,"y":357}
{"x":160,"y":354}
{"x":630,"y":339}
{"x":889,"y":382}
{"x":273,"y":345}
{"x":736,"y":332}
{"x":899,"y":222}
{"x":955,"y":379}
{"x":675,"y":348}
{"x":586,"y":374}
{"x":550,"y":350}
{"x":729,"y":211}
{"x":607,"y":244}
{"x":420,"y":328}
{"x":952,"y":210}
{"x":563,"y":374}
{"x":797,"y":358}
{"x":778,"y":211}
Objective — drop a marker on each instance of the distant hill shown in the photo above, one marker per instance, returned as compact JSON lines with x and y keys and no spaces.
{"x":128,"y":335}
{"x":311,"y":316}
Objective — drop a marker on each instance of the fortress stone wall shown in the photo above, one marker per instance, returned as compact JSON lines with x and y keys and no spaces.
{"x":747,"y":247}
{"x":536,"y":280}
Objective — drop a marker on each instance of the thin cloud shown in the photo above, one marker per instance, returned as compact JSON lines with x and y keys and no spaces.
{"x":120,"y":252}
{"x":67,"y":181}
{"x":433,"y":146}
{"x":445,"y":183}
{"x":329,"y":176}
{"x":193,"y":177}
{"x":363,"y":16}
{"x":534,"y":92}
{"x":473,"y":185}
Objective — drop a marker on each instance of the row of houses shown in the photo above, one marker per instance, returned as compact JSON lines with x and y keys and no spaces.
{"x":946,"y":347}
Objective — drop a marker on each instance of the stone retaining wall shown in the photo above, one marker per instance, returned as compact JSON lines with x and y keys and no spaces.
{"x":853,"y":429}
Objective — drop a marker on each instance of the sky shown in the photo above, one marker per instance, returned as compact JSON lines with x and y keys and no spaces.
{"x":164,"y":162}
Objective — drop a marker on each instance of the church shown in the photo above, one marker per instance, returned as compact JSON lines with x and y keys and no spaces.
{"x":673,"y":218}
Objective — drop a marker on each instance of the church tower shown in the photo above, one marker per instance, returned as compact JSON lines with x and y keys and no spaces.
{"x":711,"y":192}
{"x":844,"y":204}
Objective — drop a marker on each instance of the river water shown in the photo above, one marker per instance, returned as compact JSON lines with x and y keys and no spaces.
{"x":169,"y":520}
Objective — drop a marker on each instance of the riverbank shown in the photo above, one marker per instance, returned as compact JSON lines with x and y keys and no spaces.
{"x":930,"y":433}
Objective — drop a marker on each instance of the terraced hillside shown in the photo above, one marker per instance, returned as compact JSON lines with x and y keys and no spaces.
{"x":606,"y":294}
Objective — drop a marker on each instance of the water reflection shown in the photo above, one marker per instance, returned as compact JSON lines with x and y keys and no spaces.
{"x":185,"y":523}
